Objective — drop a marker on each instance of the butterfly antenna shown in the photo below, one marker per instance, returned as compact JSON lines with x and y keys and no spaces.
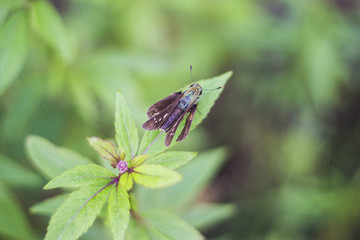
{"x":212,"y":89}
{"x":192,"y":79}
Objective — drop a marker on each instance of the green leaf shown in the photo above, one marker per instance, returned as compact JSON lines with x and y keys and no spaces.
{"x":155,"y":176}
{"x":13,"y":222}
{"x":14,"y":174}
{"x":150,"y":142}
{"x":119,"y":212}
{"x":52,"y":160}
{"x":13,"y":48}
{"x":208,"y":98}
{"x":170,"y":226}
{"x":21,"y":108}
{"x":82,"y":95}
{"x":77,"y":213}
{"x":138,"y":160}
{"x":49,"y":206}
{"x":172,"y":160}
{"x":82,"y":176}
{"x":197,"y":174}
{"x":105,"y":148}
{"x":5,"y":6}
{"x":126,"y":132}
{"x":204,"y":216}
{"x":126,"y":181}
{"x":48,"y":24}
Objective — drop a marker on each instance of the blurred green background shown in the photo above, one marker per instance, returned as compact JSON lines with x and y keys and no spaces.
{"x":289,"y":115}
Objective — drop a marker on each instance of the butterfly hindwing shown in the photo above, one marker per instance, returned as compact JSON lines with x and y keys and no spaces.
{"x":188,"y":122}
{"x":171,"y":132}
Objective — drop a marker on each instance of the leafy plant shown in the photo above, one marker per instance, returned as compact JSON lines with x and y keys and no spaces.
{"x":145,"y":164}
{"x":14,"y":223}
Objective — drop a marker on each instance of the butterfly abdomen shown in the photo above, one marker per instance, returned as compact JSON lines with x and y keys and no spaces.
{"x":174,"y":115}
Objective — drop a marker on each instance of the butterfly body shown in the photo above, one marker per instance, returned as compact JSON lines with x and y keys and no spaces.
{"x":168,"y":113}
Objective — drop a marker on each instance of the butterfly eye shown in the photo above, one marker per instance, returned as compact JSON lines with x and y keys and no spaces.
{"x":200,"y":92}
{"x":191,"y":85}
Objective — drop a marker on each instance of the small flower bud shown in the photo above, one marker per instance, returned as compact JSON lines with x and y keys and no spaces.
{"x":122,"y":166}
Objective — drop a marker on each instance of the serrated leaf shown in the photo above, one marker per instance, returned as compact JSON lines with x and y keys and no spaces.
{"x":172,"y":160}
{"x":77,"y":213}
{"x":126,"y":132}
{"x":13,"y":48}
{"x":119,"y":212}
{"x":82,"y":176}
{"x":14,"y":174}
{"x":49,"y":206}
{"x":50,"y":159}
{"x":197,"y":174}
{"x":150,"y":142}
{"x":105,"y":148}
{"x":126,"y":181}
{"x":170,"y":226}
{"x":13,"y":222}
{"x":204,"y":216}
{"x":48,"y":24}
{"x":155,"y":176}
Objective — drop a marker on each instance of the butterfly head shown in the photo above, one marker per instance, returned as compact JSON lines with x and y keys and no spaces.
{"x":196,"y":87}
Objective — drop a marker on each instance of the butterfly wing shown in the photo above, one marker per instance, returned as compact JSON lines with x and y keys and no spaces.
{"x":158,"y":119}
{"x":156,"y":108}
{"x":171,"y":132}
{"x":188,"y":122}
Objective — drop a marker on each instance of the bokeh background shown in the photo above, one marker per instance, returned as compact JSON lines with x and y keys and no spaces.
{"x":289,"y":116}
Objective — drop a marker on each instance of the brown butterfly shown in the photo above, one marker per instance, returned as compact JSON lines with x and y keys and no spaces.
{"x":167,"y":113}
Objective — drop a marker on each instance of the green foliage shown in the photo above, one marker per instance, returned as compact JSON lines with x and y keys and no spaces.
{"x":13,"y":222}
{"x":47,"y":23}
{"x":78,"y":212}
{"x":13,"y":48}
{"x":155,"y":176}
{"x":49,"y":206}
{"x":119,"y":214}
{"x":204,"y":216}
{"x":172,"y":160}
{"x":196,"y":175}
{"x":105,"y":148}
{"x":163,"y":225}
{"x":289,"y":116}
{"x":126,"y":132}
{"x":81,"y":176}
{"x":51,"y":160}
{"x":23,"y":108}
{"x":16,"y":175}
{"x":5,"y":6}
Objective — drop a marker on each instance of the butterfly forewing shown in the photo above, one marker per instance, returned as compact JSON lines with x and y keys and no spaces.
{"x":156,"y":108}
{"x":156,"y":121}
{"x":187,"y":126}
